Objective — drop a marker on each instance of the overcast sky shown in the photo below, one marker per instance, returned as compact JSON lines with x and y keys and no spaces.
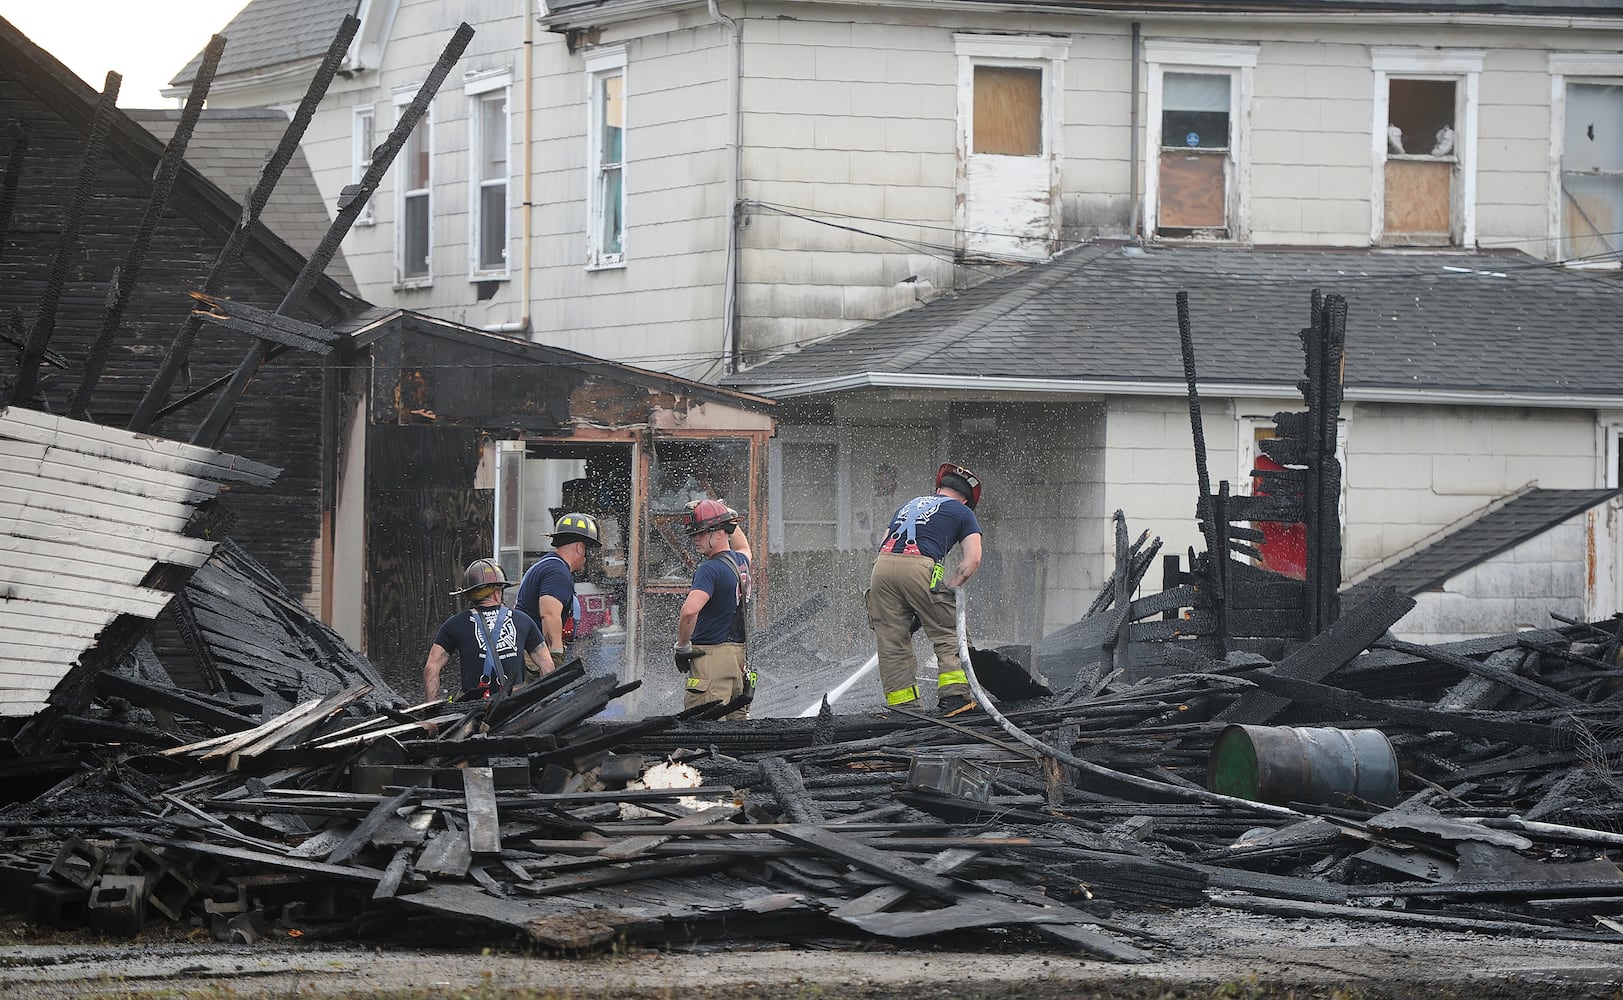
{"x":146,"y":41}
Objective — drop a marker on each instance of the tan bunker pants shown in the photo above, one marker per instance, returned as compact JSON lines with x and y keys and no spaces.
{"x":900,"y":588}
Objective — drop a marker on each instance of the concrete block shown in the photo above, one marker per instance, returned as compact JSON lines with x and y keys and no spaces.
{"x":117,"y":905}
{"x":78,"y":863}
{"x":54,"y":904}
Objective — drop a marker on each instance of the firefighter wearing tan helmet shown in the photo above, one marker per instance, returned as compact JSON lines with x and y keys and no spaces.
{"x":492,"y":644}
{"x":910,"y":589}
{"x":710,"y":632}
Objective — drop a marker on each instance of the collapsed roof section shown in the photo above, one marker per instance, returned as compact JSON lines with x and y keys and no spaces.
{"x":93,"y":520}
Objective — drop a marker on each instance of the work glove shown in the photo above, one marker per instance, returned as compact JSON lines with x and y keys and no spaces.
{"x":914,"y":624}
{"x":732,"y":524}
{"x":557,"y":657}
{"x":685,"y":654}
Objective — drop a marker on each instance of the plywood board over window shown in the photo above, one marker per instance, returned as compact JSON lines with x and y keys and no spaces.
{"x":1008,"y":111}
{"x":1417,"y":200}
{"x":1193,"y":194}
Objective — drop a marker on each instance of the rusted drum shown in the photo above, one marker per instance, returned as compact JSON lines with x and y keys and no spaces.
{"x":1281,"y":764}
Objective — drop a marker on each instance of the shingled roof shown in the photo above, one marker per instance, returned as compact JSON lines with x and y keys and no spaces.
{"x":1463,"y":325}
{"x":272,"y":32}
{"x":1499,"y":530}
{"x":230,"y":148}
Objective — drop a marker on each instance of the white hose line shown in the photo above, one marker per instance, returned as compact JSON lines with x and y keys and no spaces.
{"x":1144,"y":784}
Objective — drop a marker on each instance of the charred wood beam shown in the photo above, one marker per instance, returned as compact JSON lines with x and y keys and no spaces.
{"x":1326,"y":653}
{"x":214,"y":425}
{"x":265,"y":325}
{"x":67,"y":244}
{"x":1527,"y":686}
{"x":1186,"y":343}
{"x":14,"y":176}
{"x":151,"y":405}
{"x":171,"y":699}
{"x":127,"y":276}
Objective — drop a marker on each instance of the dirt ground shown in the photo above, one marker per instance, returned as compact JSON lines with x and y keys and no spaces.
{"x":1221,"y":954}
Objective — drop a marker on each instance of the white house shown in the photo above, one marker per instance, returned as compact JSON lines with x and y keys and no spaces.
{"x":737,"y":189}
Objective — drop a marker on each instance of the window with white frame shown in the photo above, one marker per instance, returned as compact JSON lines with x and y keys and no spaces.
{"x":364,"y":140}
{"x":414,"y":202}
{"x":1010,"y":103}
{"x":488,"y":176}
{"x":1587,"y":125}
{"x":1424,"y":138}
{"x":606,"y":156}
{"x":1199,"y":98}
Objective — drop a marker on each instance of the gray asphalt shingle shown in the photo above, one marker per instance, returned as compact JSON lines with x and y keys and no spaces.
{"x":1475,"y":322}
{"x":229,"y":148}
{"x":1521,"y":519}
{"x":272,"y":32}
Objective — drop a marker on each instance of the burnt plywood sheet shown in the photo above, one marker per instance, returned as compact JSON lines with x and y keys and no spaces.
{"x":86,"y":514}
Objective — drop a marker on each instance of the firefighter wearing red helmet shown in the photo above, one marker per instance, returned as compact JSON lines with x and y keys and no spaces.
{"x":910,"y":589}
{"x":490,"y":641}
{"x":710,"y":631}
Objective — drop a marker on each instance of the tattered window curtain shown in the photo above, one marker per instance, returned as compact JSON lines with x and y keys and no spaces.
{"x":1008,"y":112}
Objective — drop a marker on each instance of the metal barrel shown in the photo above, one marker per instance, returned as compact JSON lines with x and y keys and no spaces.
{"x":1282,"y":764}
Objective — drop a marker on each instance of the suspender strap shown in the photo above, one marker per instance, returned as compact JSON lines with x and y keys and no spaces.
{"x":493,"y":663}
{"x":743,"y":593}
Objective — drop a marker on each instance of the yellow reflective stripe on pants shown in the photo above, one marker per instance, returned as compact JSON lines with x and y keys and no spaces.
{"x":903,"y":696}
{"x":949,"y":677}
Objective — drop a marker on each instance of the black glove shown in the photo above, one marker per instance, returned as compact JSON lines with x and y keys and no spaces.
{"x":915,"y":624}
{"x":685,"y":658}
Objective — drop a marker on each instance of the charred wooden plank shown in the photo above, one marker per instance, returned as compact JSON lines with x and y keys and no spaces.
{"x":1325,"y":653}
{"x":860,"y":855}
{"x":172,"y":699}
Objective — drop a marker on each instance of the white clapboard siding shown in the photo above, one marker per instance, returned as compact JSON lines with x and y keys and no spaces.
{"x":138,"y":450}
{"x":106,"y":505}
{"x":86,"y":514}
{"x":69,"y":467}
{"x":142,"y":540}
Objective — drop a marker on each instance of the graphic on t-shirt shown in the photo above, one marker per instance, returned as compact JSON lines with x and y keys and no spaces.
{"x":506,"y":642}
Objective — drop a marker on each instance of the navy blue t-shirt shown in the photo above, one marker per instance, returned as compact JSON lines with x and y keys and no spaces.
{"x":715,"y":577}
{"x":466,"y":641}
{"x":942,"y":523}
{"x":551,"y":576}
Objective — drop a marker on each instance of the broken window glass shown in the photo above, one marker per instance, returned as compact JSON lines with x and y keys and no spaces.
{"x":685,"y":470}
{"x":1592,"y":171}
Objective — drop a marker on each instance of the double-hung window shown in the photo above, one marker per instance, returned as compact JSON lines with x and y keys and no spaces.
{"x":1424,"y":143}
{"x":364,"y":140}
{"x":414,"y":201}
{"x":606,"y":156}
{"x":1199,"y":98}
{"x":488,"y":176}
{"x":1586,"y":211}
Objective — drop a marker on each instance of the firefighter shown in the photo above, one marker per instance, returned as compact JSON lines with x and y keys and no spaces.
{"x":909,"y":588}
{"x":547,"y":592}
{"x":486,"y":637}
{"x":710,"y":633}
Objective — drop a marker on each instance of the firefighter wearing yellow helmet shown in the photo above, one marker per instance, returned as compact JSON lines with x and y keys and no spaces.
{"x":547,"y":592}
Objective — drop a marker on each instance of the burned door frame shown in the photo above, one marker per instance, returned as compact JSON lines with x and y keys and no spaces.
{"x":1462,"y":67}
{"x":1603,"y":592}
{"x":1046,"y":54}
{"x":1595,"y":68}
{"x":1239,"y":63}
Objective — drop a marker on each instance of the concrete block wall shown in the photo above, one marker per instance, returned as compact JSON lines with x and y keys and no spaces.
{"x":1517,"y":589}
{"x":1413,"y":471}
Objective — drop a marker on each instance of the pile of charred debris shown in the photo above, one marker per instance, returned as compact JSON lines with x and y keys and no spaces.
{"x":1051,"y":819}
{"x":1238,"y":740}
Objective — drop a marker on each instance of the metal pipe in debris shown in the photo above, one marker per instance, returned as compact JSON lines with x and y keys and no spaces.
{"x":1132,"y":780}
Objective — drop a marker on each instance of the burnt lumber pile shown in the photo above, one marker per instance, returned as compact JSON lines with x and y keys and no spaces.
{"x":1065,"y":821}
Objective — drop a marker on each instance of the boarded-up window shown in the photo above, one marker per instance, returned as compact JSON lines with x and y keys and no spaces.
{"x":1421,"y":159}
{"x":1008,"y":111}
{"x":1592,"y":170}
{"x":1194,"y":161}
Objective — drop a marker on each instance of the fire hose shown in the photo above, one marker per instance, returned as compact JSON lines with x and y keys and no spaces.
{"x":1097,"y":770}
